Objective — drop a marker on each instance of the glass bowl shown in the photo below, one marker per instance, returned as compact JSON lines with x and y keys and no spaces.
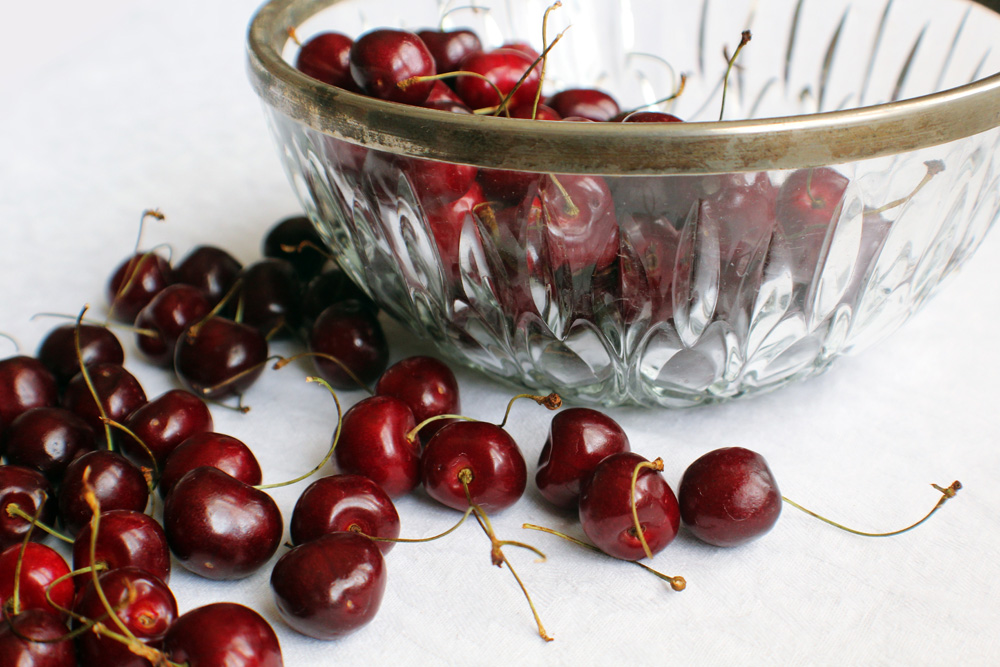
{"x":676,"y":264}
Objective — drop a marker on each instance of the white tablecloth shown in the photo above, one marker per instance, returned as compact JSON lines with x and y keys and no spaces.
{"x":111,"y":107}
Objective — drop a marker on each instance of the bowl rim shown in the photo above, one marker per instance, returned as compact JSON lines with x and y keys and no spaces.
{"x":789,"y":142}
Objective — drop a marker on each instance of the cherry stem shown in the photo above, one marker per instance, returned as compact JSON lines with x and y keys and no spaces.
{"x":16,"y":595}
{"x":110,"y":325}
{"x":17,"y":347}
{"x":496,"y":551}
{"x":934,"y":167}
{"x":69,"y":575}
{"x":129,"y":432}
{"x":284,"y":361}
{"x":552,"y":401}
{"x":132,"y":269}
{"x":329,"y":453}
{"x":571,"y":209}
{"x":545,"y":59}
{"x":503,"y":106}
{"x":411,"y":435}
{"x":406,"y":83}
{"x":656,"y":465}
{"x":86,"y":375}
{"x":472,"y":8}
{"x":303,"y":245}
{"x":744,"y":40}
{"x":677,"y":583}
{"x":946,"y":494}
{"x":69,"y":636}
{"x":292,"y":35}
{"x":13,"y":509}
{"x":235,"y":378}
{"x":354,"y":528}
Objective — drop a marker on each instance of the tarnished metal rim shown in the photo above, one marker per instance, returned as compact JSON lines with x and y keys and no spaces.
{"x":607,"y":148}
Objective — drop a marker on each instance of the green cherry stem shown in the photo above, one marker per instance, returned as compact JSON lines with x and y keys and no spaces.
{"x":656,"y":465}
{"x":551,"y":401}
{"x":86,"y":376}
{"x":13,"y":509}
{"x":744,"y":40}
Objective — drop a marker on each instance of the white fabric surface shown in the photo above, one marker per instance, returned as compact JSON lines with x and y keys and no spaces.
{"x":110,"y":107}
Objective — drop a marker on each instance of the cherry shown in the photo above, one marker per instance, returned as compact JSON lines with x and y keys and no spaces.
{"x":328,"y":288}
{"x":499,"y":474}
{"x":450,"y":47}
{"x":296,"y":241}
{"x":120,"y":395}
{"x":341,"y":503}
{"x":48,"y":440}
{"x":218,"y":527}
{"x":166,"y":316}
{"x":30,"y":491}
{"x":222,"y":633}
{"x":729,"y":497}
{"x":522,"y":46}
{"x":427,"y":385}
{"x":650,"y":117}
{"x":444,"y":98}
{"x":98,"y":344}
{"x":646,"y":263}
{"x":529,"y":111}
{"x":381,"y":59}
{"x":331,"y":586}
{"x":807,"y":204}
{"x":220,"y":451}
{"x":326,"y":56}
{"x":164,"y":423}
{"x":210,"y":269}
{"x":446,"y":222}
{"x":270,"y":296}
{"x":578,"y":440}
{"x":135,"y":282}
{"x":25,"y":383}
{"x":374,"y":442}
{"x":41,"y":566}
{"x":437,"y":183}
{"x":503,"y":68}
{"x":587,"y":103}
{"x":606,"y":508}
{"x":218,"y":357}
{"x":36,"y":638}
{"x":116,"y":483}
{"x":352,"y":334}
{"x":143,"y":603}
{"x":125,"y":539}
{"x":505,"y":185}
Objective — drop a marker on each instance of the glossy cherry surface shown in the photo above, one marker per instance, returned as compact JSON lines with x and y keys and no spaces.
{"x":331,"y":586}
{"x":729,"y":497}
{"x":326,"y":56}
{"x":210,"y":269}
{"x":119,"y":393}
{"x":222,"y":634}
{"x":166,"y":316}
{"x":270,"y":297}
{"x":499,"y":473}
{"x":219,"y":527}
{"x":164,"y":423}
{"x":352,"y":334}
{"x":341,"y":503}
{"x":807,"y":205}
{"x":48,"y":440}
{"x":125,"y":539}
{"x":216,"y":450}
{"x":285,"y":241}
{"x":41,"y":566}
{"x":450,"y":47}
{"x":25,"y":383}
{"x":579,"y":439}
{"x":589,"y":103}
{"x":382,"y":58}
{"x":29,"y":490}
{"x":135,"y":282}
{"x":330,"y":287}
{"x":116,"y":483}
{"x":219,"y":357}
{"x":97,"y":345}
{"x":606,"y":508}
{"x":18,"y":650}
{"x":503,"y":68}
{"x":373,"y":443}
{"x":427,"y":385}
{"x":447,"y":221}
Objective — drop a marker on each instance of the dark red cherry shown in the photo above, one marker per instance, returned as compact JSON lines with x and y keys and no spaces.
{"x":216,"y":450}
{"x":646,"y":267}
{"x":382,"y":58}
{"x":29,"y":490}
{"x":427,"y":385}
{"x":606,"y":508}
{"x":219,"y":527}
{"x":285,"y":241}
{"x":25,"y":383}
{"x":447,"y":221}
{"x":135,"y":282}
{"x":163,"y":424}
{"x":143,"y":603}
{"x":729,"y":497}
{"x":331,"y":586}
{"x":210,"y":269}
{"x":218,"y":357}
{"x":222,"y":634}
{"x":328,"y":288}
{"x":125,"y":539}
{"x":115,"y":481}
{"x":506,"y":185}
{"x":352,"y":334}
{"x":97,"y":345}
{"x":119,"y":392}
{"x":30,"y":640}
{"x":524,"y":47}
{"x":587,"y":103}
{"x":444,"y":98}
{"x":450,"y":47}
{"x":342,"y":503}
{"x":504,"y":69}
{"x":437,"y":183}
{"x":531,"y":112}
{"x":167,"y":315}
{"x":650,"y":117}
{"x":326,"y":56}
{"x":270,"y":297}
{"x":499,"y":473}
{"x":373,"y":443}
{"x":41,"y":566}
{"x":807,"y":204}
{"x":48,"y":440}
{"x":579,"y":439}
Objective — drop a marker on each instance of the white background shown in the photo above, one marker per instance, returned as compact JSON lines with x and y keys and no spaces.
{"x":110,"y":107}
